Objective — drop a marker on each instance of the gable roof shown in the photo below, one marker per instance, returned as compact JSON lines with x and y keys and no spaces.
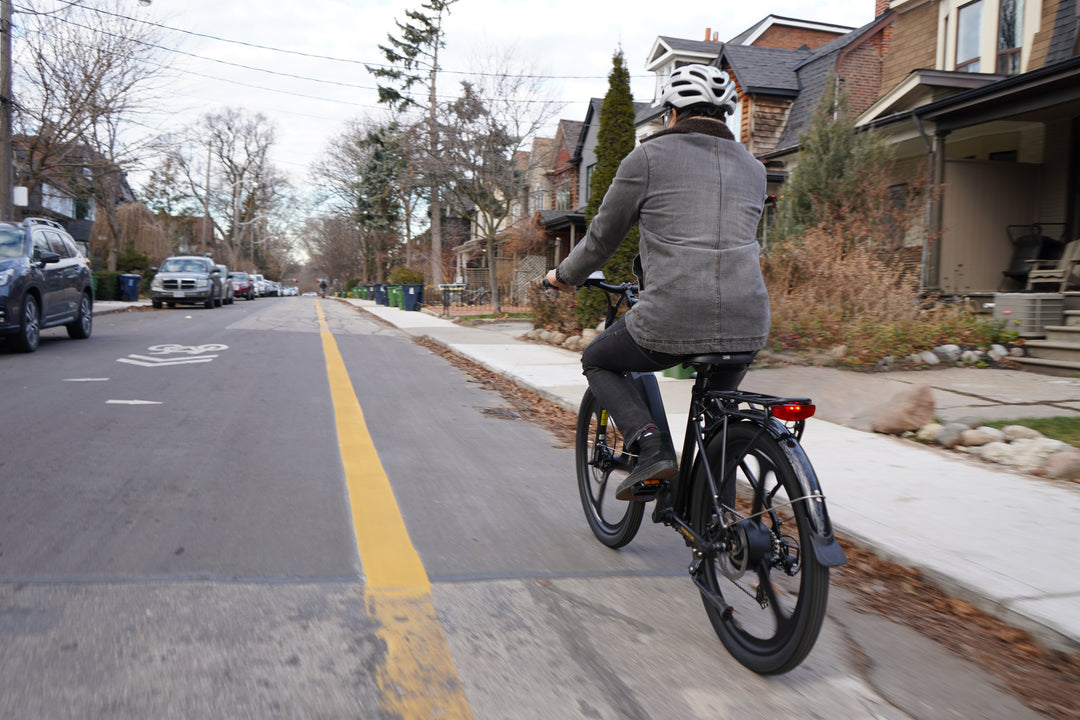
{"x":765,"y":70}
{"x":813,"y":74}
{"x":748,"y":36}
{"x":664,"y":47}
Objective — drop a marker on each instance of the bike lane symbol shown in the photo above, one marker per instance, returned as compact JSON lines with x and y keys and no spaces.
{"x":188,"y":355}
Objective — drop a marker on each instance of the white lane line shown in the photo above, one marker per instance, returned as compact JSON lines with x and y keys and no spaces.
{"x":132,"y":402}
{"x":86,"y":379}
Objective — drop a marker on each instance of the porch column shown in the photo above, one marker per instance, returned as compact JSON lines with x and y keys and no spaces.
{"x":573,"y":235}
{"x":932,"y":249}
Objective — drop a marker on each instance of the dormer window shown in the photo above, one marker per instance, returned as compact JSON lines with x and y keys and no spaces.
{"x":968,"y":36}
{"x":1010,"y":32}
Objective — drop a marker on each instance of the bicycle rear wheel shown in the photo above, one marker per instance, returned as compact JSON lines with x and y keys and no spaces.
{"x":769,"y":577}
{"x":602,"y":462}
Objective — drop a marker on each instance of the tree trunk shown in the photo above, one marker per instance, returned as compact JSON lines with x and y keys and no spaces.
{"x":493,"y":276}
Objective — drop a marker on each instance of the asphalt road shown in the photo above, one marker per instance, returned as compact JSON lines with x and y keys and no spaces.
{"x":177,"y":540}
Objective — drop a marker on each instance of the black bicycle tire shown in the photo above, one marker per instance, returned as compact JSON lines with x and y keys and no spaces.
{"x":779,"y":654}
{"x":613,"y":534}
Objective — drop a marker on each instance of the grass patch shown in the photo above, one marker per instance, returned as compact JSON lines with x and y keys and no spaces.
{"x":1065,"y":429}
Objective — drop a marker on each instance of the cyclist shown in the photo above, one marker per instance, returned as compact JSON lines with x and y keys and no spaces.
{"x":322,"y":287}
{"x":697,"y":196}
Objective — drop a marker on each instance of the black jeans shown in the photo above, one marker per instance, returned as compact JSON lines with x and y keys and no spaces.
{"x":614,"y":353}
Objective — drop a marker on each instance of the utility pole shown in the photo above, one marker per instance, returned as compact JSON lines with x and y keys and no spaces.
{"x":7,"y":155}
{"x":206,"y":198}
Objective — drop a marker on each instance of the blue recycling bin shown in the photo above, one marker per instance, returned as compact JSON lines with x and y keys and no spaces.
{"x":129,"y":286}
{"x":412,"y":297}
{"x":381,"y":296}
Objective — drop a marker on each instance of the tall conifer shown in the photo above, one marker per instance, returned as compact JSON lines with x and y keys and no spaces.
{"x":614,"y":141}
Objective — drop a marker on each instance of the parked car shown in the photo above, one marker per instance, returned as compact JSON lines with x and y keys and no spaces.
{"x":260,"y":284}
{"x":242,"y":285}
{"x":226,"y":286}
{"x":45,"y":281}
{"x":186,"y":280}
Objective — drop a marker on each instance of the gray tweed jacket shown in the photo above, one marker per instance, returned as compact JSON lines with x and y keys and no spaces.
{"x":697,"y":196}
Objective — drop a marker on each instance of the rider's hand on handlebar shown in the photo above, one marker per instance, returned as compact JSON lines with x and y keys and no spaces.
{"x":553,"y":282}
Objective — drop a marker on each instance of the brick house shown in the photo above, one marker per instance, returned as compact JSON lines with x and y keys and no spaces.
{"x":985,"y":94}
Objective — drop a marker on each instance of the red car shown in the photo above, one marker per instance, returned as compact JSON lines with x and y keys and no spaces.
{"x":243,"y":285}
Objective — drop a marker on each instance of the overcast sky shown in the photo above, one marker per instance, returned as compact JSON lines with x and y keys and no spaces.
{"x":558,"y":38}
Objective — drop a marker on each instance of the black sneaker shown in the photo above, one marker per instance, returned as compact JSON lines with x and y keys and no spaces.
{"x":656,"y":463}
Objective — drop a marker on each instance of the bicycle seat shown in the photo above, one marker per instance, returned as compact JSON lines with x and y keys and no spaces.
{"x":721,"y":361}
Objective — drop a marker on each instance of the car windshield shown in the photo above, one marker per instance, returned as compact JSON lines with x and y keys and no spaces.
{"x":11,"y":243}
{"x":183,"y":265}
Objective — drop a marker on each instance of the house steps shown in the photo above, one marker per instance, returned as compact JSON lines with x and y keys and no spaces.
{"x":1060,"y":349}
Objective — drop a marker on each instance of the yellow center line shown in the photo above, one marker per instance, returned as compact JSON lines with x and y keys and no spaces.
{"x":417,"y":677}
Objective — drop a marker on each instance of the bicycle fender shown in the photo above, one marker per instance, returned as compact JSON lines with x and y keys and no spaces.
{"x":826,"y":548}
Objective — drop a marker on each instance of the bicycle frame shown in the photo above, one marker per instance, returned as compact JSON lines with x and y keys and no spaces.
{"x":710,"y":413}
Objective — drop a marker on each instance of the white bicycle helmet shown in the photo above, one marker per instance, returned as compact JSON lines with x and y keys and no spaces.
{"x":698,"y":84}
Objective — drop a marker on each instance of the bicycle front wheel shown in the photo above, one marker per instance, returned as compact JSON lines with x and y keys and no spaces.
{"x":774,"y":589}
{"x":602,"y":462}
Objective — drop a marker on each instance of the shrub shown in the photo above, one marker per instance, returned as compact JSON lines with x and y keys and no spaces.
{"x":553,"y":310}
{"x":108,"y":285}
{"x":405,"y":276}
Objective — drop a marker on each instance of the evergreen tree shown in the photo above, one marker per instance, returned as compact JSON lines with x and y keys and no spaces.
{"x":614,"y":141}
{"x":414,"y":59}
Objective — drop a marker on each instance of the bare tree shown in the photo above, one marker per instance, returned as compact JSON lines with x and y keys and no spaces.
{"x":414,"y":58}
{"x":368,"y":173}
{"x":485,"y":134}
{"x":221,"y":165}
{"x":85,"y":77}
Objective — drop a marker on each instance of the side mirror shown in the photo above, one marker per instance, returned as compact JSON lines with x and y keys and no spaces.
{"x":48,"y":257}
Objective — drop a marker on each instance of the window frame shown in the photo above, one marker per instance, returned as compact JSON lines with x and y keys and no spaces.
{"x":974,"y":63}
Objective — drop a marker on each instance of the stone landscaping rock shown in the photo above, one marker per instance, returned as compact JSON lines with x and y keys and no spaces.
{"x":949,"y":437}
{"x":907,"y":411}
{"x":928,"y":358}
{"x":948,"y":354}
{"x":971,"y":357}
{"x":976,"y":436}
{"x":1063,"y":465}
{"x":557,"y":338}
{"x":1019,"y":432}
{"x":929,"y":432}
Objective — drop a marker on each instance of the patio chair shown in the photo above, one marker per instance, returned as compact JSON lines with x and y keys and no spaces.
{"x":1029,"y":244}
{"x":1064,"y":272}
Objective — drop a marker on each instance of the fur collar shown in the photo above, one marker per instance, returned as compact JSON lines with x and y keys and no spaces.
{"x":697,"y":124}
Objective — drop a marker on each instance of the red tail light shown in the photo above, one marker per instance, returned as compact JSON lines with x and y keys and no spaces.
{"x":791,"y":412}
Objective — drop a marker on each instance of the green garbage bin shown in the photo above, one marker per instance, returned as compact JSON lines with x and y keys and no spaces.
{"x":680,"y":372}
{"x":395,"y":296}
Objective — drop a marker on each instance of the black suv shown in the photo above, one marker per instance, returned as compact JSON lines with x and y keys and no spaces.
{"x":44,"y":281}
{"x":187,"y":280}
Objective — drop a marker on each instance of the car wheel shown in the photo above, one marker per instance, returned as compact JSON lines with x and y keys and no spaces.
{"x":209,"y":301}
{"x":30,"y":327}
{"x":83,"y":323}
{"x":156,"y":304}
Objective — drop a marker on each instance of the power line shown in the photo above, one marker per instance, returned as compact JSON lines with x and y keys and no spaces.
{"x":316,"y":56}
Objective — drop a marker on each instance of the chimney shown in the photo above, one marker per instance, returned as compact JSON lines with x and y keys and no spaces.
{"x":708,"y":34}
{"x":880,"y":6}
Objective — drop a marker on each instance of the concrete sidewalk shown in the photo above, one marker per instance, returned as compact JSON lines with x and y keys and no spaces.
{"x":1002,"y":540}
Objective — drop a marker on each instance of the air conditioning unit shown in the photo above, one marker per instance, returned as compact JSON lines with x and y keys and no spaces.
{"x":1028,"y":314}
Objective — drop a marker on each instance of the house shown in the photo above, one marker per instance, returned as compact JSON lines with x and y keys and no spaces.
{"x":987,"y":95}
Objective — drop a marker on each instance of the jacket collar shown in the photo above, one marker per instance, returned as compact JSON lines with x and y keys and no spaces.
{"x":697,"y":124}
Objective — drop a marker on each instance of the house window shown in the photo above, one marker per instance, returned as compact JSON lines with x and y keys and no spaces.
{"x":562,"y":198}
{"x":734,"y":121}
{"x":588,"y":180}
{"x":968,"y":26}
{"x":1010,"y":31}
